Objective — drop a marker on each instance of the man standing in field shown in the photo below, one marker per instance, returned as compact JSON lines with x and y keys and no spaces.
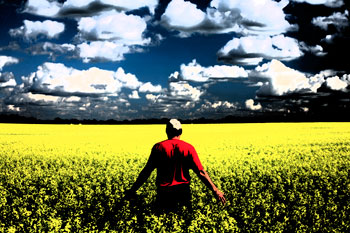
{"x":173,"y":158}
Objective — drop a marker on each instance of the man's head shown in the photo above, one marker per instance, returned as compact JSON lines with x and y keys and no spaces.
{"x":173,"y":128}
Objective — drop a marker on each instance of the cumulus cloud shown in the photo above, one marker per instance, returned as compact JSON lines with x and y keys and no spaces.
{"x":111,"y":34}
{"x":40,"y":98}
{"x":337,"y":19}
{"x":150,"y":88}
{"x":102,"y":50}
{"x":250,"y":105}
{"x":251,"y":50}
{"x":57,"y":79}
{"x":6,"y":60}
{"x":218,"y":105}
{"x":134,"y":95}
{"x":283,"y":80}
{"x":338,"y":84}
{"x":42,"y":7}
{"x":105,"y":31}
{"x":197,"y":73}
{"x":227,"y":16}
{"x":181,"y":14}
{"x":7,"y":80}
{"x":260,"y":16}
{"x":12,"y":108}
{"x":214,"y":109}
{"x":329,"y":3}
{"x":156,"y":98}
{"x":178,"y":95}
{"x":67,"y":92}
{"x":53,"y":50}
{"x":183,"y":90}
{"x":114,"y":26}
{"x":32,"y":29}
{"x":89,"y":7}
{"x":76,"y":8}
{"x":84,"y":107}
{"x":317,"y":50}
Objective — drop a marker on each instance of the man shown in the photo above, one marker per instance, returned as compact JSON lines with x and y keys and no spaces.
{"x":173,"y":158}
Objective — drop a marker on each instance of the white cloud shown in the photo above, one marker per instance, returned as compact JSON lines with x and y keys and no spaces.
{"x":335,"y":83}
{"x":224,"y":104}
{"x":316,"y":50}
{"x":283,"y":80}
{"x":6,"y":60}
{"x":55,"y":90}
{"x":12,"y":108}
{"x":125,"y":5}
{"x":217,"y":107}
{"x":184,"y":90}
{"x":250,"y":105}
{"x":8,"y":83}
{"x":113,"y":34}
{"x":52,"y":8}
{"x":195,"y":72}
{"x":72,"y":99}
{"x":53,"y":50}
{"x":337,"y":19}
{"x":263,"y":16}
{"x":102,"y":50}
{"x":134,"y":95}
{"x":41,"y":98}
{"x":127,"y":79}
{"x":252,"y":49}
{"x":152,"y":97}
{"x":181,"y":14}
{"x":57,"y":79}
{"x":329,"y":38}
{"x":149,"y":87}
{"x":37,"y":99}
{"x":250,"y":16}
{"x":43,"y":7}
{"x":116,"y":26}
{"x":93,"y":93}
{"x":31,"y":29}
{"x":329,"y":3}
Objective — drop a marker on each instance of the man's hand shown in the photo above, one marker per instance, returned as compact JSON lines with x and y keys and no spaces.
{"x":220,"y":196}
{"x":203,"y":175}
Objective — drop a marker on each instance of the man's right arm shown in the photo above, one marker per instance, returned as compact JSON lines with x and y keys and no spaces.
{"x":204,"y":177}
{"x":143,"y":176}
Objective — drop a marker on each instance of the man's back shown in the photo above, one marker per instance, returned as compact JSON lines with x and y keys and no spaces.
{"x":173,"y":158}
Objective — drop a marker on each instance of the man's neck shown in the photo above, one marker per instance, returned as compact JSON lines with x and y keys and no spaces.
{"x":176,"y":137}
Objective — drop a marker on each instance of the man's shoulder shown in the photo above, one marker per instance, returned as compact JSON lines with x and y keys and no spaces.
{"x":185,"y":144}
{"x":177,"y":142}
{"x":159,"y":144}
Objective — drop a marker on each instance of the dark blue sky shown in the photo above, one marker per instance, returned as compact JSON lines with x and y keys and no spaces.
{"x":188,"y":59}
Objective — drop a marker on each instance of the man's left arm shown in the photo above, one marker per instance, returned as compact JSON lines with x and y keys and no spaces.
{"x":205,"y":178}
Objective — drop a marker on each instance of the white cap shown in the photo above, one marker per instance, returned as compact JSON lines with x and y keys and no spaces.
{"x":175,"y":124}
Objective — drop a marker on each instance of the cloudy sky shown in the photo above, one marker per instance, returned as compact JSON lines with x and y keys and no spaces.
{"x":122,"y":59}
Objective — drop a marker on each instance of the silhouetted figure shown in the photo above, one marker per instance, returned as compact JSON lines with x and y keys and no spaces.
{"x":173,"y":158}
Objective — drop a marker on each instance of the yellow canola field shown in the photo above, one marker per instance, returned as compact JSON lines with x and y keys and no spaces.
{"x":219,"y":140}
{"x":276,"y":176}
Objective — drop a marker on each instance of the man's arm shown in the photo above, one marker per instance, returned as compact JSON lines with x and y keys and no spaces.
{"x":204,"y":177}
{"x":143,"y":176}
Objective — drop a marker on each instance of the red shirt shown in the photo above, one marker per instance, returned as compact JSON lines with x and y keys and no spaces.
{"x":173,"y":158}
